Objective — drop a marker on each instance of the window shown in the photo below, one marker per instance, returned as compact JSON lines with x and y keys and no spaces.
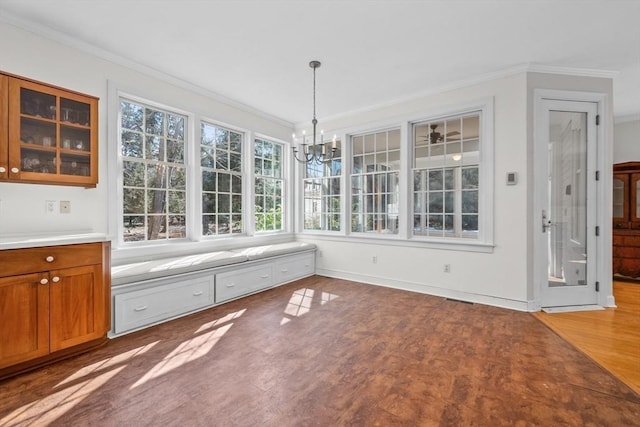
{"x":152,"y":144}
{"x":322,"y":193}
{"x":269,"y":183}
{"x":446,"y":177}
{"x":374,"y":182}
{"x":221,"y":166}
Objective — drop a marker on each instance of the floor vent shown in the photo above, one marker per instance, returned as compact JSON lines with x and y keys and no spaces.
{"x":458,"y":300}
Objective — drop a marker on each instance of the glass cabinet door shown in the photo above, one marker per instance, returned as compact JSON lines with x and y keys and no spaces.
{"x":51,"y":135}
{"x":634,"y":208}
{"x":620,"y":207}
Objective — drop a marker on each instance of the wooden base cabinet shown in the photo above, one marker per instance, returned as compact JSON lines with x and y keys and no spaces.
{"x":54,"y":303}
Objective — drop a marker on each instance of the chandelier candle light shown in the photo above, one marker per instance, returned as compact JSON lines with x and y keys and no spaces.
{"x":315,"y":152}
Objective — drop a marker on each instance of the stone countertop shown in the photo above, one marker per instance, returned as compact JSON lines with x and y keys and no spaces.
{"x":40,"y":240}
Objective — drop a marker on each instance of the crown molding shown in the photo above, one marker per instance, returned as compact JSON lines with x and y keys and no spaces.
{"x":571,"y":71}
{"x":627,"y":118}
{"x":104,"y":54}
{"x":481,"y":78}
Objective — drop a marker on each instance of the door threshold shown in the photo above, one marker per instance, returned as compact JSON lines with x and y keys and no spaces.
{"x":570,"y":308}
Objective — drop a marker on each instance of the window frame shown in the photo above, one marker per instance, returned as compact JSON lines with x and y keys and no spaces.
{"x":194,"y":240}
{"x":188,"y":135}
{"x":243,"y":173}
{"x":284,"y":220}
{"x":456,"y":190}
{"x":405,"y":237}
{"x":324,"y":180}
{"x":375,"y":176}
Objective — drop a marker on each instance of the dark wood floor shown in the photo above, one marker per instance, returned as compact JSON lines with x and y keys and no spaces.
{"x":327,"y":352}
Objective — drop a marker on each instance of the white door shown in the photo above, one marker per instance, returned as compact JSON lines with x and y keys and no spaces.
{"x":565,"y":176}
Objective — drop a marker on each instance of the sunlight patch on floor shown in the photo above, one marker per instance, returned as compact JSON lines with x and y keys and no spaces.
{"x":47,"y":410}
{"x":229,"y":317}
{"x":300,"y":303}
{"x":186,"y":352}
{"x":107,"y":363}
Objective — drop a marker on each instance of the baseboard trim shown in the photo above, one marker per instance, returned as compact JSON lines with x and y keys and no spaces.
{"x":428,"y":289}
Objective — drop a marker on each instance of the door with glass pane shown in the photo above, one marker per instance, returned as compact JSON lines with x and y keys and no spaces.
{"x":566,"y":224}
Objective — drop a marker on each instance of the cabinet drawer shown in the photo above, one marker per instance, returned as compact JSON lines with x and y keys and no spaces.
{"x":139,"y":308}
{"x":294,"y":267}
{"x":31,"y":260}
{"x":235,"y":283}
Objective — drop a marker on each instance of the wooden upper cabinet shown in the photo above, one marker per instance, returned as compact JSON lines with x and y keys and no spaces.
{"x":52,"y":134}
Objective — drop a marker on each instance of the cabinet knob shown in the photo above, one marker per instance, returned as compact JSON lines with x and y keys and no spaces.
{"x":55,"y":279}
{"x":2,"y":169}
{"x":15,"y":170}
{"x":49,"y":258}
{"x":43,"y":281}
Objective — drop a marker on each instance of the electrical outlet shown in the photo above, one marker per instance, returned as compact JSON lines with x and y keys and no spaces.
{"x":374,"y":259}
{"x":65,"y":206}
{"x":50,"y":207}
{"x":447,"y":268}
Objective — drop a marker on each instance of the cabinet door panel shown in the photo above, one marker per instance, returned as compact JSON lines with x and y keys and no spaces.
{"x":24,"y":318}
{"x":634,"y":205}
{"x":77,"y":306}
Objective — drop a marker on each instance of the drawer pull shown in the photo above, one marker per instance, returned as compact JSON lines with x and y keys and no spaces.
{"x":265,"y":276}
{"x":2,"y":169}
{"x":231,"y":285}
{"x":43,"y":281}
{"x":197,"y":293}
{"x":284,"y":270}
{"x":141,"y":308}
{"x":49,"y":258}
{"x":55,"y":279}
{"x":15,"y":170}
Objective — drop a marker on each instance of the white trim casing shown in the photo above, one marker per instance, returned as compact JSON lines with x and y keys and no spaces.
{"x":484,"y":243}
{"x":603,"y":192}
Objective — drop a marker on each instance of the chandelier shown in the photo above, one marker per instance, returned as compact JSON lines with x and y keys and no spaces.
{"x":313,"y":150}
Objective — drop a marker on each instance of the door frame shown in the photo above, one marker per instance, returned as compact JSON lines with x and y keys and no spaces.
{"x":603,"y":210}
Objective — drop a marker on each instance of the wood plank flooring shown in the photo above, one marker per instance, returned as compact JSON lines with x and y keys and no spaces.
{"x":328,"y":352}
{"x":610,"y":337}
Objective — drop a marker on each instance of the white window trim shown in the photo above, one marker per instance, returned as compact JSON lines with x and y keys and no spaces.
{"x":286,"y":187}
{"x":405,"y":237}
{"x":194,"y":241}
{"x":246,"y":172}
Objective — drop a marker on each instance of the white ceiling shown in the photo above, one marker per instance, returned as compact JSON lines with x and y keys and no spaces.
{"x":256,"y":52}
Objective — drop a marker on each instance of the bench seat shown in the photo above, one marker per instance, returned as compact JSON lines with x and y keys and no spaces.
{"x":163,"y":267}
{"x":267,"y":251}
{"x":145,"y":270}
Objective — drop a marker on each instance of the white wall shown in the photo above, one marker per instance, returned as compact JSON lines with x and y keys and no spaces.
{"x":498,"y":278}
{"x":22,"y":210}
{"x":626,"y":141}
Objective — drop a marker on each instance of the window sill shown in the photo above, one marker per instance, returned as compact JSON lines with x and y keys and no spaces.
{"x":451,"y":244}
